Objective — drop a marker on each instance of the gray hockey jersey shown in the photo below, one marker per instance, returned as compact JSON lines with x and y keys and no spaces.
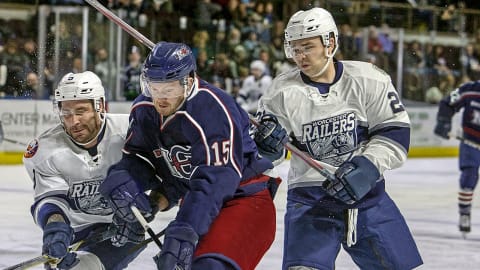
{"x":360,"y":115}
{"x":67,"y":176}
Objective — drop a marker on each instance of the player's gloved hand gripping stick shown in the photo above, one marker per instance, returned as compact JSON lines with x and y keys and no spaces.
{"x":351,"y":181}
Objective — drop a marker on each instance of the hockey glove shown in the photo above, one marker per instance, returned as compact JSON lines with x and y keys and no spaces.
{"x":122,"y":192}
{"x":270,"y":137}
{"x":178,"y":248}
{"x":443,"y":127}
{"x":57,"y":237}
{"x":353,"y":180}
{"x":127,"y":232}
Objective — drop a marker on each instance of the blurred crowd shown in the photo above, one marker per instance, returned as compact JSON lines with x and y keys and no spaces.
{"x":239,"y":47}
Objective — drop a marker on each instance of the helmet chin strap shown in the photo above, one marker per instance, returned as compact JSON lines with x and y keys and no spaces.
{"x":324,"y":68}
{"x":186,"y":93}
{"x":329,"y":59}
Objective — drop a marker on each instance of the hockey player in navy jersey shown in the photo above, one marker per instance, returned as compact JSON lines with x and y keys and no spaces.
{"x":467,"y":96}
{"x":67,"y":163}
{"x":189,"y":141}
{"x":348,"y":117}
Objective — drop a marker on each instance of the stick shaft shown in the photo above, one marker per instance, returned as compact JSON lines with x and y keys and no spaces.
{"x":145,"y":225}
{"x":125,"y":26}
{"x":302,"y":155}
{"x":29,"y":263}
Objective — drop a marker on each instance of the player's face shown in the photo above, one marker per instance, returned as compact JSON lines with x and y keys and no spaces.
{"x":309,"y":55}
{"x":167,"y":96}
{"x":80,"y":120}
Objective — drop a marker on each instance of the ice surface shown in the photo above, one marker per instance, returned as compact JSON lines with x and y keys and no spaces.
{"x":424,"y":189}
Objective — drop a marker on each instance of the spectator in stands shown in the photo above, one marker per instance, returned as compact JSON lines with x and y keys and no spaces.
{"x":240,"y":56}
{"x":264,"y":56}
{"x":413,"y":62}
{"x":470,"y":62}
{"x":14,"y":61}
{"x":205,"y":10}
{"x":348,"y":49}
{"x":443,"y":71}
{"x":103,"y":68}
{"x":202,"y":65}
{"x":235,"y":14}
{"x":77,"y":65}
{"x":449,"y":18}
{"x":200,"y":41}
{"x":276,"y":50}
{"x":375,"y":48}
{"x":223,"y":71}
{"x":234,"y":38}
{"x":388,"y":48}
{"x":251,"y":44}
{"x":131,"y":74}
{"x":30,"y":48}
{"x":31,"y":86}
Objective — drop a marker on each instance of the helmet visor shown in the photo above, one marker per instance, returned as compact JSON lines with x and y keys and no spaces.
{"x":171,"y":89}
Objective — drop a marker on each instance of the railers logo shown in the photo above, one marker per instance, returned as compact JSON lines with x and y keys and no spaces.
{"x":331,"y":140}
{"x":88,"y":199}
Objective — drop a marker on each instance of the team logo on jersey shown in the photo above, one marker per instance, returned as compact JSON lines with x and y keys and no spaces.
{"x":331,"y":140}
{"x":475,"y":118}
{"x":88,"y":199}
{"x":178,"y":161}
{"x":32,"y":148}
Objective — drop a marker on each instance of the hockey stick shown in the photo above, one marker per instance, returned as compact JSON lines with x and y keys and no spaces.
{"x":42,"y":259}
{"x":125,"y":26}
{"x":2,"y":137}
{"x":104,"y":236}
{"x":145,"y":225}
{"x":302,"y":155}
{"x":468,"y":142}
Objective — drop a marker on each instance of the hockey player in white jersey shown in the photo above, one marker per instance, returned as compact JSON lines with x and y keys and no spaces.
{"x":254,"y":86}
{"x":67,"y":163}
{"x":347,"y":116}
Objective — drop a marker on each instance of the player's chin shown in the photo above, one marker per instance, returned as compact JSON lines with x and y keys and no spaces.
{"x":79,"y":136}
{"x":164,"y":110}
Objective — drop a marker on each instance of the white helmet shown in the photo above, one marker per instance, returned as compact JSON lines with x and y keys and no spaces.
{"x":80,"y":86}
{"x":311,"y":23}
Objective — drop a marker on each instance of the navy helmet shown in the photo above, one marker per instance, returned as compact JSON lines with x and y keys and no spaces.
{"x":169,"y":62}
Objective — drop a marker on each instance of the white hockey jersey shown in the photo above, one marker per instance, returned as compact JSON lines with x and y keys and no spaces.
{"x":67,"y":176}
{"x":251,"y":91}
{"x":361,"y":114}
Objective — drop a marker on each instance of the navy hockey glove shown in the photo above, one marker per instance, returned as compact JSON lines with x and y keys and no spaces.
{"x":127,"y":232}
{"x":443,"y":127}
{"x":270,"y":137}
{"x":178,"y":249}
{"x":122,"y":192}
{"x":353,"y":180}
{"x":57,"y":237}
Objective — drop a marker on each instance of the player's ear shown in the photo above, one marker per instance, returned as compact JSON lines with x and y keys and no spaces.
{"x":190,"y":81}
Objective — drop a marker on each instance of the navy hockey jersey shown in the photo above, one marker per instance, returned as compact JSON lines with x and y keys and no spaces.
{"x":201,"y":153}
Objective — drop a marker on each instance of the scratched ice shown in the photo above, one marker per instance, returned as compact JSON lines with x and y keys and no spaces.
{"x":424,"y":189}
